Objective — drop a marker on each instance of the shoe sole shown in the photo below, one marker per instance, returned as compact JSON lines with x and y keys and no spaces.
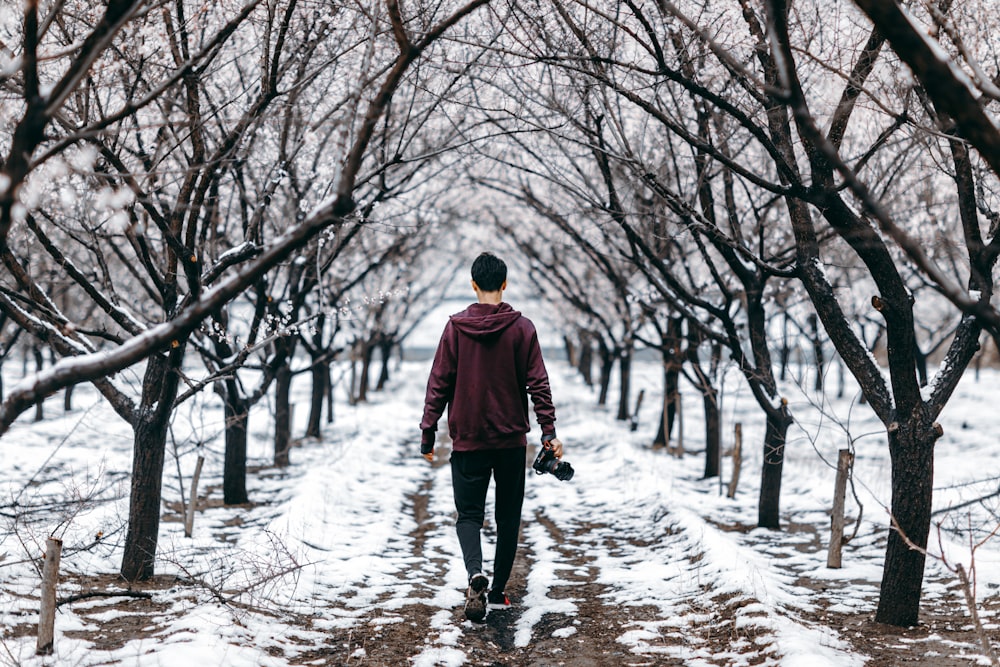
{"x":475,"y":599}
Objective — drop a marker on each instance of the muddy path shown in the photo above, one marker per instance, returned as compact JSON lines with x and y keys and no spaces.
{"x":570,"y":610}
{"x":600,"y":580}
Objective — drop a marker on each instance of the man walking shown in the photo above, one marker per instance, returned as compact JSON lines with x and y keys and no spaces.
{"x":487,"y":364}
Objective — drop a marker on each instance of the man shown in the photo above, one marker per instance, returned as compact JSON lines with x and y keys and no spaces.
{"x":487,"y":364}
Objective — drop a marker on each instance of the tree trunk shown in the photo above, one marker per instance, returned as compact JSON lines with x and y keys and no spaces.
{"x":385,"y":349}
{"x":282,"y":415}
{"x":67,"y":398}
{"x":367,"y":352}
{"x":328,"y":383}
{"x":768,"y":513}
{"x":586,"y":361}
{"x":785,"y":351}
{"x":159,"y":389}
{"x":39,"y":365}
{"x":319,"y":373}
{"x":911,"y":446}
{"x":571,"y":357}
{"x":625,"y":369}
{"x":713,"y":433}
{"x":818,"y":357}
{"x":671,"y":383}
{"x":607,"y":364}
{"x":709,"y":398}
{"x":662,"y":436}
{"x":841,"y":380}
{"x":234,"y":470}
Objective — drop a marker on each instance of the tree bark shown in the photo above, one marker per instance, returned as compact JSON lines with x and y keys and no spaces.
{"x":282,"y":415}
{"x":385,"y":349}
{"x":625,"y":370}
{"x":328,"y":382}
{"x":671,"y":382}
{"x":586,"y":360}
{"x":663,"y":428}
{"x":768,"y":507}
{"x":710,"y":402}
{"x":367,"y":351}
{"x":818,"y":357}
{"x":39,"y":365}
{"x":607,"y":364}
{"x":319,"y":373}
{"x":713,"y":432}
{"x":785,"y":349}
{"x":67,"y":398}
{"x":149,"y":446}
{"x":571,"y":357}
{"x":234,"y":471}
{"x":911,"y":448}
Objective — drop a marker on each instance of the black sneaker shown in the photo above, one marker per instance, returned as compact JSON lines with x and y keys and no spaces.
{"x":475,"y":598}
{"x":497,"y":600}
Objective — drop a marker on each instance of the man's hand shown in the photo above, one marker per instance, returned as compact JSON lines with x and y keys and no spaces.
{"x":427,"y":444}
{"x":553,"y":443}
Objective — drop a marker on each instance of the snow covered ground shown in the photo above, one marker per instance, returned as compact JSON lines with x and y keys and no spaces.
{"x":352,"y":548}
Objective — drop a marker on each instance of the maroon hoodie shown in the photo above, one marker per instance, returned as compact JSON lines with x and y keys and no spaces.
{"x":487,"y":363}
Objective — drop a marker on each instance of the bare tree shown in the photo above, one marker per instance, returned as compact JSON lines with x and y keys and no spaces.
{"x":702,"y":111}
{"x":194,"y":287}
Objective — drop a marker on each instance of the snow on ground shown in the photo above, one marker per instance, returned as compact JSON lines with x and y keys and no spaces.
{"x":357,"y":534}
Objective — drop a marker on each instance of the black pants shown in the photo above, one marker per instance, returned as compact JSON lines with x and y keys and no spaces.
{"x":470,"y":478}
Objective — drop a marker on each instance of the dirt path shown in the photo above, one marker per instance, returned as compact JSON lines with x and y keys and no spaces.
{"x":561,"y":614}
{"x":578,"y":587}
{"x":566,"y":613}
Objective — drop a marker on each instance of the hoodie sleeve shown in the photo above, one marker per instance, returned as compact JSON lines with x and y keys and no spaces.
{"x":538,"y":386}
{"x":441,"y":383}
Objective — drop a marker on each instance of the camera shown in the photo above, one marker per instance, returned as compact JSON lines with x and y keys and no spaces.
{"x":546,"y":462}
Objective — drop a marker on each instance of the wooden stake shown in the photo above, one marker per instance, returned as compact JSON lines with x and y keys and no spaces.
{"x":189,"y":519}
{"x":737,"y":460}
{"x":634,"y":425}
{"x":837,"y":517}
{"x":47,"y":612}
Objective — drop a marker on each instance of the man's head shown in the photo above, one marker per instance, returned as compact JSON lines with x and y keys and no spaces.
{"x":489,"y":273}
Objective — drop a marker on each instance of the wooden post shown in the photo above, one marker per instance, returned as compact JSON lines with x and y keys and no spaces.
{"x":844,"y":461}
{"x":189,"y":519}
{"x":737,"y":460}
{"x":634,"y":425}
{"x":47,"y":612}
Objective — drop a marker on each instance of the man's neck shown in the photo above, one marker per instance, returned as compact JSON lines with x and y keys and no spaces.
{"x":491,"y":298}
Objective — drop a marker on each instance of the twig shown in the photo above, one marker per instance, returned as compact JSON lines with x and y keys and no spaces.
{"x":959,"y":570}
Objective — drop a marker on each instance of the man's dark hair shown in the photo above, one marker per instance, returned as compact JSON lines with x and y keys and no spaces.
{"x":489,"y":272}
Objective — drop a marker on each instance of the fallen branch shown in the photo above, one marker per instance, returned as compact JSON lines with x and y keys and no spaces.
{"x":103,"y":594}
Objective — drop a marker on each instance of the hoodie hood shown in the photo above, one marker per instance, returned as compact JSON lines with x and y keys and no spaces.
{"x":483,"y":320}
